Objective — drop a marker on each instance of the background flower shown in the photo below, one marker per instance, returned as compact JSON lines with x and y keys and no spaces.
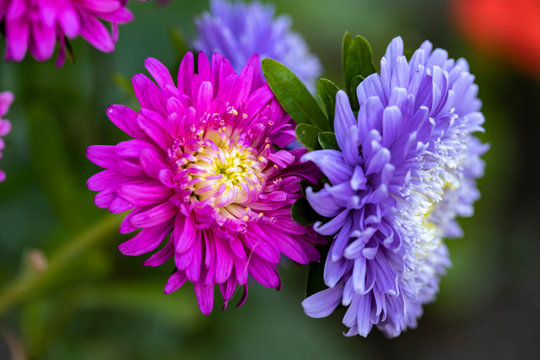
{"x":509,"y":29}
{"x":202,"y":168}
{"x":6,"y":98}
{"x":37,"y":25}
{"x":405,"y":169}
{"x":238,"y":30}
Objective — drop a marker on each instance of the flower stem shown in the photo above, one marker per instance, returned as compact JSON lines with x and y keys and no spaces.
{"x":31,"y":280}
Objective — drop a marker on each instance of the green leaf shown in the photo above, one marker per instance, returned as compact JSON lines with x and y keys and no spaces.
{"x":346,"y":43}
{"x":307,"y":135}
{"x":293,"y":95}
{"x":357,"y":61}
{"x":327,"y":91}
{"x":315,"y":275}
{"x":355,"y":81}
{"x":303,"y":213}
{"x":328,"y":140}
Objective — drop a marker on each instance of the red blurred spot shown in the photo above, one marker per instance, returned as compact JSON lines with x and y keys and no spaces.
{"x":507,"y":28}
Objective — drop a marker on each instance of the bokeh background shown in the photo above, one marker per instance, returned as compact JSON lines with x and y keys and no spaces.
{"x":93,"y":303}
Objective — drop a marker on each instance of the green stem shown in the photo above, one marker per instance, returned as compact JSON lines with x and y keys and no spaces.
{"x":29,"y":281}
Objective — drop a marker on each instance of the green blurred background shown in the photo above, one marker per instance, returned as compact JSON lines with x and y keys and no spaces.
{"x":104,"y":305}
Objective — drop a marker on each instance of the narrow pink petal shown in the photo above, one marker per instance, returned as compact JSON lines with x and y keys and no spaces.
{"x":263,"y":272}
{"x":159,"y":72}
{"x":160,"y":257}
{"x":205,"y":296}
{"x":146,"y":240}
{"x":96,"y":33}
{"x":175,"y":282}
{"x":154,"y":216}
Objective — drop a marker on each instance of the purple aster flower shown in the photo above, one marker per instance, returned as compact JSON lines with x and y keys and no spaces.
{"x":405,"y":168}
{"x":6,"y":98}
{"x":37,"y":25}
{"x":202,"y":175}
{"x":239,"y":30}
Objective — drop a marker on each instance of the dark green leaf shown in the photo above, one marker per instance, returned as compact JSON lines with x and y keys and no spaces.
{"x":357,"y":61}
{"x":293,"y":95}
{"x":327,"y":91}
{"x":302,"y":213}
{"x":315,"y":275}
{"x":355,"y":81}
{"x":346,"y":43}
{"x":307,"y":135}
{"x":327,"y":140}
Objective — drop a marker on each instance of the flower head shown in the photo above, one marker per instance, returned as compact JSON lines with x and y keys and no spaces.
{"x":37,"y":25}
{"x":238,"y":30}
{"x":405,"y":168}
{"x":6,"y":98}
{"x":203,"y":167}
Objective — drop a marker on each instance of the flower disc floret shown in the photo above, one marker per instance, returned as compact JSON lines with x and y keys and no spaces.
{"x":204,"y":174}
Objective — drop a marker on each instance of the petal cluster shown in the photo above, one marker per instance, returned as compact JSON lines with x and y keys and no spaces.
{"x":6,"y":98}
{"x":406,"y":167}
{"x":238,"y":30}
{"x":37,"y":25}
{"x":204,"y":176}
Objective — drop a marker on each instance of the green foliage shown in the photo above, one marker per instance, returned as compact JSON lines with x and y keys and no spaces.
{"x":293,"y":95}
{"x":307,"y":135}
{"x":302,"y":213}
{"x":357,"y":64}
{"x":327,"y":91}
{"x":328,"y":140}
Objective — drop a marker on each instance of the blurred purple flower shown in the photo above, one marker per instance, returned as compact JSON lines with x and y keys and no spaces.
{"x":203,"y":168}
{"x":6,"y":98}
{"x":406,"y":168}
{"x":37,"y":25}
{"x":238,"y":30}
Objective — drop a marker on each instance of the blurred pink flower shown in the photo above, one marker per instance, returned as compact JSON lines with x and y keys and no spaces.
{"x":37,"y":25}
{"x":6,"y":98}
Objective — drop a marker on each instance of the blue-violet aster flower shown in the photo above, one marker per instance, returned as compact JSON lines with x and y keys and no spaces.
{"x":238,"y":30}
{"x":6,"y":98}
{"x":405,"y":168}
{"x":203,"y":175}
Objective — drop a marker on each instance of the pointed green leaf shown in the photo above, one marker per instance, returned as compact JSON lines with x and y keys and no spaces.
{"x":345,"y":44}
{"x":355,"y":81}
{"x":302,"y":213}
{"x":307,"y":135}
{"x":358,"y":61}
{"x":293,"y":95}
{"x":327,"y":91}
{"x":327,"y":140}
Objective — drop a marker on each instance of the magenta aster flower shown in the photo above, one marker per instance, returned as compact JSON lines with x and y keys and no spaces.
{"x":204,"y":171}
{"x":6,"y":98}
{"x":36,"y":25}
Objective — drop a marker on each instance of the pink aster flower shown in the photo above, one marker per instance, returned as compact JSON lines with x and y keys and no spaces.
{"x":203,"y":175}
{"x":37,"y":25}
{"x":6,"y":98}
